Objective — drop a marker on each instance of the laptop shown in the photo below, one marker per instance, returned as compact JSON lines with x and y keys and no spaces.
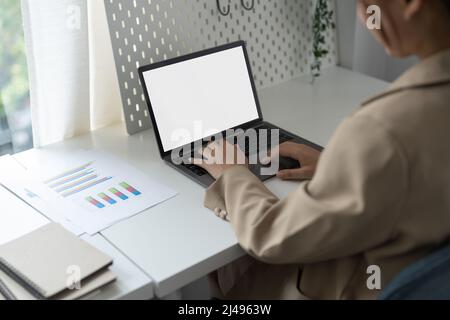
{"x":195,"y":98}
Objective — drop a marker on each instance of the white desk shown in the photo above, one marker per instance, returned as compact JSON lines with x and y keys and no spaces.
{"x":180,"y":241}
{"x":131,"y":284}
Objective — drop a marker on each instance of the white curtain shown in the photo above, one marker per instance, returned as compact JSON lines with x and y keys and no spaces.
{"x":73,"y":84}
{"x":106,"y":104}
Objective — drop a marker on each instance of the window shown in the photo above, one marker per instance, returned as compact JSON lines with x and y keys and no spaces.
{"x":15,"y":118}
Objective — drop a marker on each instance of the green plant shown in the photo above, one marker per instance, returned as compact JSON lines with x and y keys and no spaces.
{"x":1,"y":107}
{"x":14,"y":88}
{"x":2,"y":115}
{"x":13,"y":65}
{"x":322,"y":22}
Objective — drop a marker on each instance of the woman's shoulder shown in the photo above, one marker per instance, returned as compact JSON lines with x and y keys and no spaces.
{"x":417,"y":119}
{"x":421,"y":93}
{"x":409,"y":108}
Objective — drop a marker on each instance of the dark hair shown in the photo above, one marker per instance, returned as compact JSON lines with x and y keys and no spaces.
{"x":447,"y":4}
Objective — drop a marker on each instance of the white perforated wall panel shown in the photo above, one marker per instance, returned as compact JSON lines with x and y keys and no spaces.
{"x":278,"y":34}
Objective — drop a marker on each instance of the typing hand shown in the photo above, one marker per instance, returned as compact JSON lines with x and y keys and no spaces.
{"x":307,"y":156}
{"x":220,"y":156}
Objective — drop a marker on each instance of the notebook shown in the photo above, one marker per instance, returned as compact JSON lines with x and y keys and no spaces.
{"x":88,"y":285}
{"x":39,"y":265}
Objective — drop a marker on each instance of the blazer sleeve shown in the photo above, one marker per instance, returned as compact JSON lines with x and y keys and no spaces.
{"x":352,"y":204}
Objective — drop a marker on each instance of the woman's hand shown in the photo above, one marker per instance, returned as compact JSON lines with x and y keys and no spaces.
{"x":307,"y":156}
{"x":220,"y":156}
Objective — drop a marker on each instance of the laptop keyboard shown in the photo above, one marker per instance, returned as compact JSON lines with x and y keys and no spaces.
{"x":195,"y":169}
{"x":201,"y":172}
{"x":283,"y":138}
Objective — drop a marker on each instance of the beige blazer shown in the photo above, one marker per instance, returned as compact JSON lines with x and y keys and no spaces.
{"x":380,"y":196}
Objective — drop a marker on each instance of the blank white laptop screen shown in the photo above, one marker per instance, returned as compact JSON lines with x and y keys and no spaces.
{"x":198,"y":98}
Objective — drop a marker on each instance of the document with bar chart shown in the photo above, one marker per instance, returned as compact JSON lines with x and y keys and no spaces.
{"x":98,"y":190}
{"x":17,"y":179}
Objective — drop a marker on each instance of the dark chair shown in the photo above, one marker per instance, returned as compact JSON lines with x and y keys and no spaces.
{"x":427,"y":279}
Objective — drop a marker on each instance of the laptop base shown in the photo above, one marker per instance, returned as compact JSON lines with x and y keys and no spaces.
{"x":201,"y":177}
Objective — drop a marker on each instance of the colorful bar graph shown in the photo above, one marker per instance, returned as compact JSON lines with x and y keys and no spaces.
{"x":107,"y":198}
{"x":130,"y":189}
{"x":71,"y":178}
{"x":84,"y":187}
{"x":76,"y":183}
{"x":68,"y":173}
{"x":95,"y":202}
{"x":118,"y":194}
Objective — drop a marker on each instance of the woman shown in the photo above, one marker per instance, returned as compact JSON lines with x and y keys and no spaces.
{"x":379,"y":195}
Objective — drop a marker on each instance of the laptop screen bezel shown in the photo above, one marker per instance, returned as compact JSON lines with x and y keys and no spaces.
{"x":192,"y":56}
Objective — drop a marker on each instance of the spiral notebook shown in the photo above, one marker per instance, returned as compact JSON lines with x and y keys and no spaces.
{"x":43,"y":263}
